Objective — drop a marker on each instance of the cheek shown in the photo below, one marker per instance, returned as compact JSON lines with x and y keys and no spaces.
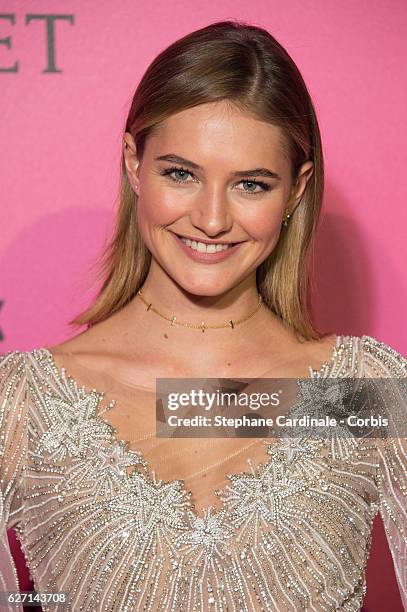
{"x":262,"y":225}
{"x":156,"y":207}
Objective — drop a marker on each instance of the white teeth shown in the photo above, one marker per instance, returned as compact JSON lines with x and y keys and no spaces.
{"x":205,"y":248}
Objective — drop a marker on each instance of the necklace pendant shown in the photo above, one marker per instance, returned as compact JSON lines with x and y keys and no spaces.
{"x":232,"y":325}
{"x":173,"y":320}
{"x":203,"y":326}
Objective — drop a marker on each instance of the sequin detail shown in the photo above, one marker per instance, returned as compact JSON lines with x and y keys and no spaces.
{"x":293,"y":533}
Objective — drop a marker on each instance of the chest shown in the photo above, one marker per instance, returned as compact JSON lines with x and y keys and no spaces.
{"x":294,"y":530}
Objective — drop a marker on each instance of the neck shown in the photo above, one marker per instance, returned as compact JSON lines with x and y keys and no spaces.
{"x":145,"y":337}
{"x":171,"y":299}
{"x":184,"y":343}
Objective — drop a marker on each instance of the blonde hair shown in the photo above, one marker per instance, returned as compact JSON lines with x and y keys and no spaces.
{"x":244,"y":64}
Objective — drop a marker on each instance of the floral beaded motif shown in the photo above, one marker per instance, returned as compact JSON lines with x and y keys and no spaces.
{"x":293,"y":533}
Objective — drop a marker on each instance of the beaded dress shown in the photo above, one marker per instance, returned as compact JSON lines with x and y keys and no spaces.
{"x":293,"y":533}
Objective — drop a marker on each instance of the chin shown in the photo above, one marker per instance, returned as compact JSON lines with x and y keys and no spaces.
{"x":201,"y":289}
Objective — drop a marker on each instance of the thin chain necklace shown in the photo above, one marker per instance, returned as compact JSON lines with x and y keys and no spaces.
{"x":232,"y":323}
{"x":224,"y":459}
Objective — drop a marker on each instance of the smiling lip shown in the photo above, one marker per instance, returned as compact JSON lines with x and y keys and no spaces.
{"x":207,"y":257}
{"x":205,"y":241}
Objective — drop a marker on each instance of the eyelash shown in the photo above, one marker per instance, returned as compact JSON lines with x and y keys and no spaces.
{"x":168,"y":171}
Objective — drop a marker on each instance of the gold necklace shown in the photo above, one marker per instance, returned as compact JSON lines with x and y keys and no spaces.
{"x":203,"y":325}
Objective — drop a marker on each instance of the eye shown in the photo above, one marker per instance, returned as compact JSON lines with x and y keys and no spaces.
{"x":182,"y":172}
{"x":253,"y":184}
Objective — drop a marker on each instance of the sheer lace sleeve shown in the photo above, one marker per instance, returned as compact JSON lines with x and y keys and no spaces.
{"x":382,"y":361}
{"x":13,"y":445}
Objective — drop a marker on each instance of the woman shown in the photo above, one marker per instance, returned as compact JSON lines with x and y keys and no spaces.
{"x":206,"y":276}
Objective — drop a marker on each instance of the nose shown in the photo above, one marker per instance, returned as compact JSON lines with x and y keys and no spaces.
{"x":211,"y":212}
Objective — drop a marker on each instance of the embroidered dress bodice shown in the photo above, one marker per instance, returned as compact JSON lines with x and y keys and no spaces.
{"x":292,"y":533}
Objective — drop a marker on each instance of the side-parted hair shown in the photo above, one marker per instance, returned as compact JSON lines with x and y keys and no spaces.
{"x":244,"y":64}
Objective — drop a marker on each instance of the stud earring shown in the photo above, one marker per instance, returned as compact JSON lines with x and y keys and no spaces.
{"x":286,"y":218}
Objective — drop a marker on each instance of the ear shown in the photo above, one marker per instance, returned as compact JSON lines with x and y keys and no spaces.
{"x":131,"y":161}
{"x":298,"y":188}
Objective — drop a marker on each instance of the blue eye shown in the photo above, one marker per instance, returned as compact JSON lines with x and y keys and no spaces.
{"x":184,"y":173}
{"x":169,"y":171}
{"x":264,"y":186}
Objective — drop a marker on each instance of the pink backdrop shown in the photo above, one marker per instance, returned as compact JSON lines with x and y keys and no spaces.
{"x":61,"y":138}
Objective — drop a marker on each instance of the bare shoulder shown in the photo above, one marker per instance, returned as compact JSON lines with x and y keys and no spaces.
{"x":314,"y":353}
{"x":97,"y":341}
{"x":89,"y":348}
{"x":103,"y":353}
{"x":322,"y":349}
{"x":82,"y":343}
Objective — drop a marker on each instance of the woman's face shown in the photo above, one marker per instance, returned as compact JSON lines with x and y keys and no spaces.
{"x":215,"y":174}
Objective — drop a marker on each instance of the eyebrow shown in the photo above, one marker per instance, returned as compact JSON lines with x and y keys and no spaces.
{"x":265,"y":172}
